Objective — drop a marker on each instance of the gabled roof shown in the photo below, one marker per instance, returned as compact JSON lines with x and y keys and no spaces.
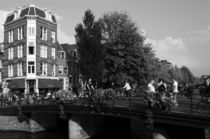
{"x":59,"y":47}
{"x":69,"y":47}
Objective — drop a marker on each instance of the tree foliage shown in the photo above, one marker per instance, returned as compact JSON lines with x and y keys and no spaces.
{"x":127,"y":58}
{"x":88,"y":39}
{"x":188,"y":77}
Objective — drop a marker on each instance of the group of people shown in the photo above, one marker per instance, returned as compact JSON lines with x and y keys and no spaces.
{"x":162,"y":87}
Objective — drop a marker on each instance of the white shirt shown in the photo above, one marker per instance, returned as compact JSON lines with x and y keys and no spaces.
{"x":127,"y":86}
{"x":175,"y":87}
{"x":151,"y":88}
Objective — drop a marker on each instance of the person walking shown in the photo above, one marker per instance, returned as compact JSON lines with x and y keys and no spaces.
{"x":151,"y":87}
{"x":161,"y":86}
{"x":175,"y":91}
{"x":127,"y":88}
{"x":90,"y":87}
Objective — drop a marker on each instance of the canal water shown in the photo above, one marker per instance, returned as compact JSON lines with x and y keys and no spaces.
{"x":25,"y":135}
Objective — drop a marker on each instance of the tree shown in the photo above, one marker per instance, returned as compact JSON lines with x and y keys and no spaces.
{"x":127,"y":58}
{"x":91,"y":52}
{"x":188,"y":77}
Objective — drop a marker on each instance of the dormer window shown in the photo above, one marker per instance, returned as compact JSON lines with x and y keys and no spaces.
{"x":75,"y":53}
{"x":61,"y":55}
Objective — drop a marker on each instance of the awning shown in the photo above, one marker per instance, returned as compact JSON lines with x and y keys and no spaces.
{"x":49,"y":83}
{"x":17,"y":83}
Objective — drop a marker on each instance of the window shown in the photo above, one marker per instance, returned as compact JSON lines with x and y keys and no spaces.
{"x":10,"y":53}
{"x":0,"y":77}
{"x":60,"y":69}
{"x":19,"y":69}
{"x":43,"y":51}
{"x":31,"y":31}
{"x":10,"y":70}
{"x":53,"y":69}
{"x":75,"y":53}
{"x":53,"y":36}
{"x":31,"y":67}
{"x":20,"y":33}
{"x":31,"y":50}
{"x":20,"y":51}
{"x":53,"y":53}
{"x":43,"y":68}
{"x":43,"y":34}
{"x":10,"y":36}
{"x":1,"y":64}
{"x":65,"y":70}
{"x":62,"y":55}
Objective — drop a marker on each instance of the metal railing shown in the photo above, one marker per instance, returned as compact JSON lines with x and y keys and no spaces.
{"x":192,"y":103}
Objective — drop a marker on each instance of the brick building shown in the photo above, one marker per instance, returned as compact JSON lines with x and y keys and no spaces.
{"x":72,"y":58}
{"x":1,"y":58}
{"x":31,"y":51}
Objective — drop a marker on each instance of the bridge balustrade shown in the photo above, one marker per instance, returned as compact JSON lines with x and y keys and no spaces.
{"x":189,"y":101}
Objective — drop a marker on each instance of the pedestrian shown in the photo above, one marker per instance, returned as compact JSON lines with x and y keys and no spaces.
{"x":151,"y":87}
{"x":127,"y":88}
{"x":161,"y":86}
{"x":175,"y":91}
{"x":89,"y":87}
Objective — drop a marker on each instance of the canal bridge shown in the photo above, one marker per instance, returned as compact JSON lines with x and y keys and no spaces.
{"x":125,"y":118}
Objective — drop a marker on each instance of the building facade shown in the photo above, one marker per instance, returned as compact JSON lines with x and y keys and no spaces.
{"x":31,"y":50}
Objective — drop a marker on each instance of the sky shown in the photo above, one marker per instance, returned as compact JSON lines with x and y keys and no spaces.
{"x":179,"y":30}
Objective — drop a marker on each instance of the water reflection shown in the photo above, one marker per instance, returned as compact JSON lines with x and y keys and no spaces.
{"x":25,"y":135}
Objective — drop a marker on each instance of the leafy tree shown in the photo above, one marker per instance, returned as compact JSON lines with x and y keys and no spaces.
{"x":90,"y":49}
{"x":188,"y":77}
{"x":127,"y":58}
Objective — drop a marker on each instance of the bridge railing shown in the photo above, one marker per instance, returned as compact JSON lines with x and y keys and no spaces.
{"x":112,"y":98}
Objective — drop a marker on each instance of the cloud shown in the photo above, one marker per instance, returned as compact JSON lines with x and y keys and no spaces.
{"x":62,"y":36}
{"x":3,"y":15}
{"x":192,"y":50}
{"x":205,"y":33}
{"x":171,"y":49}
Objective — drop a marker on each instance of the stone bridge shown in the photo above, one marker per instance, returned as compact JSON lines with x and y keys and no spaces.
{"x":133,"y":120}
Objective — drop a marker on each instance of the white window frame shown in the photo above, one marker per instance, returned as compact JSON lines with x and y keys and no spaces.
{"x":11,"y":53}
{"x":31,"y":67}
{"x":43,"y":51}
{"x":1,"y":64}
{"x":54,"y":70}
{"x":44,"y":69}
{"x":53,"y":36}
{"x":9,"y":39}
{"x":10,"y":70}
{"x":44,"y":33}
{"x":19,"y":69}
{"x":31,"y":31}
{"x":20,"y":51}
{"x":20,"y":33}
{"x":53,"y":53}
{"x":10,"y":36}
